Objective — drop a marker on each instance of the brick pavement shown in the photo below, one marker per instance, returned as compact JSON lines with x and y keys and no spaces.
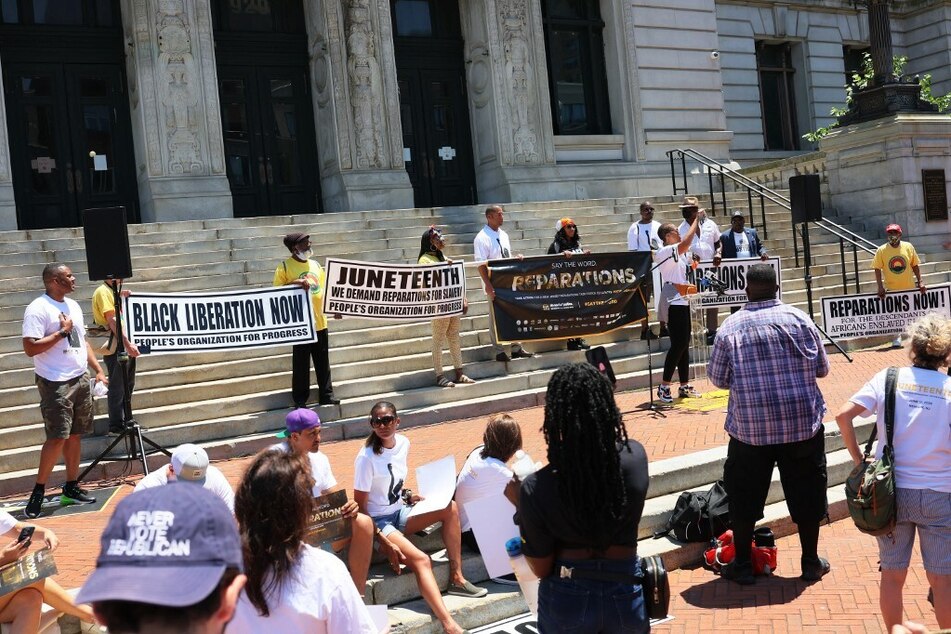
{"x":839,"y":603}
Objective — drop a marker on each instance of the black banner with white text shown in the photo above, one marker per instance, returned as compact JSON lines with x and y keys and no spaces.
{"x":555,"y":297}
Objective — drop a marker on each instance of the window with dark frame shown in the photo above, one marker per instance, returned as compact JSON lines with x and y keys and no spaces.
{"x":777,"y":96}
{"x":258,"y":16}
{"x":78,"y":13}
{"x":852,"y":58}
{"x":578,"y":84}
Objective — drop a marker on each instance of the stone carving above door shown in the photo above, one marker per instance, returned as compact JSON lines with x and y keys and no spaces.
{"x":366,"y":87}
{"x":519,"y":79}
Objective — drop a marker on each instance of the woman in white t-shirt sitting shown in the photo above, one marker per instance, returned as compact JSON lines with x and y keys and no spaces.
{"x":292,"y":587}
{"x":379,"y":473}
{"x":672,"y":262}
{"x":485,"y":472}
{"x":922,"y":444}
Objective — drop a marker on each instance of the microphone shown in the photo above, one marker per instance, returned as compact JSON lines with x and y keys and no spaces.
{"x":711,"y":281}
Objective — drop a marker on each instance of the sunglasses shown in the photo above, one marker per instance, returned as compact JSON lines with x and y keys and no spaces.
{"x":648,"y":209}
{"x":382,"y":421}
{"x":570,"y":227}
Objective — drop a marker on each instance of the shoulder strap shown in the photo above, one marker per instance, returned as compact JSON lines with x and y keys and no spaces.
{"x":891,"y":380}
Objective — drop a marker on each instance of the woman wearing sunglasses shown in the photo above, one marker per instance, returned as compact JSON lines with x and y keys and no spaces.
{"x":379,"y":473}
{"x":568,"y":241}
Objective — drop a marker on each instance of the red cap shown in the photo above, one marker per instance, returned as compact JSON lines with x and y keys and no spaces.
{"x":893,"y":227}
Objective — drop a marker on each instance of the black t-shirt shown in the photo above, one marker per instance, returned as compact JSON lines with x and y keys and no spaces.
{"x":546,"y":525}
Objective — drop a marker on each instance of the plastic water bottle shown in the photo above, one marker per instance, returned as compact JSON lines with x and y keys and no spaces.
{"x":527,"y":581}
{"x":523,"y":465}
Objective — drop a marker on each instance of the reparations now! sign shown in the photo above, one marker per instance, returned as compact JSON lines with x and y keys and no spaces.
{"x":190,"y":322}
{"x":394,"y":291}
{"x":868,"y":315}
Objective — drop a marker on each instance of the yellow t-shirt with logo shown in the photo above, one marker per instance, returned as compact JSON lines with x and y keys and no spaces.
{"x":292,"y":269}
{"x":102,"y":303}
{"x":895,"y":264}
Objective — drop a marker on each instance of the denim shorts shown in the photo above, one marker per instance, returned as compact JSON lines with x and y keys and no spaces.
{"x":928,"y":513}
{"x":395,"y":521}
{"x":585,"y":605}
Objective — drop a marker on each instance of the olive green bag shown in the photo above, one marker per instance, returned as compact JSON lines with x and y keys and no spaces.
{"x":870,"y":488}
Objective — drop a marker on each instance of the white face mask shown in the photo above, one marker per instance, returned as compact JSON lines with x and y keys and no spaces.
{"x":304,"y":255}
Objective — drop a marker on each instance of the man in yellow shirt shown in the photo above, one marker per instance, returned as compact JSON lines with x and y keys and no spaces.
{"x":299,"y":269}
{"x":895,"y":261}
{"x":104,"y":314}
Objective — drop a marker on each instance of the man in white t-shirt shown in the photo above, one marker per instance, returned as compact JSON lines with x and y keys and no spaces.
{"x":54,"y":336}
{"x":302,"y":438}
{"x":492,"y":243}
{"x":642,"y":236}
{"x":706,"y":245}
{"x":190,"y":464}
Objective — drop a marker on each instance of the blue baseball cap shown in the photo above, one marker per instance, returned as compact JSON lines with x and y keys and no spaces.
{"x":299,"y":420}
{"x":165,"y":546}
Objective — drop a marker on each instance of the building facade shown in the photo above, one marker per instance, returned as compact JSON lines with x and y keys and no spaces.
{"x":183,"y":109}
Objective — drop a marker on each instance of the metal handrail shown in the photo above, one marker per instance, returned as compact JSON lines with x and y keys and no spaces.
{"x":847,"y":238}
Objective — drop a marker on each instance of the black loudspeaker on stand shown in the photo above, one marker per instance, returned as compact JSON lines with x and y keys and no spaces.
{"x":108,"y":258}
{"x":804,"y":198}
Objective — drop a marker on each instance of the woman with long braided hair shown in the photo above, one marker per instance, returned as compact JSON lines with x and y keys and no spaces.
{"x":580,"y":512}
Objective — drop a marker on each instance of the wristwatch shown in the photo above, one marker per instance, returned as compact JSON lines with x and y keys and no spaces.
{"x":63,"y":333}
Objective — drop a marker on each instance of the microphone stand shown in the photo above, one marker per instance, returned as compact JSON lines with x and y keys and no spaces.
{"x":131,"y":431}
{"x":651,"y":406}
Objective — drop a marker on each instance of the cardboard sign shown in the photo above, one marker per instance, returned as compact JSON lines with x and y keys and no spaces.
{"x":327,"y":523}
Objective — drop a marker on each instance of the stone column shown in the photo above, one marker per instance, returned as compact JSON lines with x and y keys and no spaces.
{"x":8,"y":208}
{"x":356,"y":105}
{"x":176,"y":117}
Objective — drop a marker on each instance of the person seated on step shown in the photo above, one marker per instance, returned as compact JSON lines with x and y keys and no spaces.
{"x":292,"y":586}
{"x":379,"y":472}
{"x":170,"y":561}
{"x":190,"y":464}
{"x":568,"y":241}
{"x":302,"y":438}
{"x":445,"y":329}
{"x":578,"y":515}
{"x":492,"y":243}
{"x":486,"y":473}
{"x":22,"y":608}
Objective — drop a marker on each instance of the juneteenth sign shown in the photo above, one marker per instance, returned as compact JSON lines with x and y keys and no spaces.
{"x":189,"y":322}
{"x":394,"y":291}
{"x":554,"y":297}
{"x":868,"y":315}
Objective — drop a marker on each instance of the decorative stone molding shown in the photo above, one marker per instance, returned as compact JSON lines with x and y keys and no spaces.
{"x":172,"y":82}
{"x":519,"y":79}
{"x":365,"y":83}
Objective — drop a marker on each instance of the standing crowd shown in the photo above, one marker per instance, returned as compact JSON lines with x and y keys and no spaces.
{"x":186,"y":553}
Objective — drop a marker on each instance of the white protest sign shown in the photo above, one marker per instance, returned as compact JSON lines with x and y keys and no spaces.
{"x":160,"y":323}
{"x":732,"y":274}
{"x":867,"y":315}
{"x":437,"y":484}
{"x":492,"y":525}
{"x":394,"y":291}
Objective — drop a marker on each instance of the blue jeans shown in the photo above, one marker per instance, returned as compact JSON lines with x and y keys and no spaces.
{"x":584,"y":605}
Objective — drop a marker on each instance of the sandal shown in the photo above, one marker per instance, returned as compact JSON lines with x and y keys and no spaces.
{"x":442,"y":381}
{"x":462,"y":378}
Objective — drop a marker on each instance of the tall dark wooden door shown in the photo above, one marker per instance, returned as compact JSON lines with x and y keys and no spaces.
{"x":270,"y":145}
{"x":70,"y":141}
{"x":437,"y":147}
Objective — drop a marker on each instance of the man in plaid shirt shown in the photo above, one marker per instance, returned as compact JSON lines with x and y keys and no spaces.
{"x":769,"y":356}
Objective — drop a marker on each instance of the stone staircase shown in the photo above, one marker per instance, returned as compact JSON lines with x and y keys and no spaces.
{"x":232,"y":402}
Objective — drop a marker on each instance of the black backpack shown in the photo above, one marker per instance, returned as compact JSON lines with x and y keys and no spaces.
{"x":699,"y":516}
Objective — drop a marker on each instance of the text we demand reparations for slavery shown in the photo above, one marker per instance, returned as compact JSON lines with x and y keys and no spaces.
{"x":217,"y":316}
{"x":399,"y":292}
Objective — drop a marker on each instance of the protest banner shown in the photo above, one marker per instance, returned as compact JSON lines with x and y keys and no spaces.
{"x":394,"y":291}
{"x":327,"y":523}
{"x":732,"y":274}
{"x":160,"y":323}
{"x":868,"y":315}
{"x":554,"y":297}
{"x":26,"y":570}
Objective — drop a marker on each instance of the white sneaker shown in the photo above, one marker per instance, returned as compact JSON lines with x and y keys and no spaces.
{"x":663,"y":394}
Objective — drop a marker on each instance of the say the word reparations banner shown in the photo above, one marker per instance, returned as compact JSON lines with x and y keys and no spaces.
{"x":160,"y":323}
{"x":554,"y":297}
{"x":394,"y":291}
{"x":868,"y":315}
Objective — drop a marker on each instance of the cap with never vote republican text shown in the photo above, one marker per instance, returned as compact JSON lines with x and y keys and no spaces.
{"x":165,"y":546}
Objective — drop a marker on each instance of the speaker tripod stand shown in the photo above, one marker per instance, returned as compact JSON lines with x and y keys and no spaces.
{"x":131,"y":430}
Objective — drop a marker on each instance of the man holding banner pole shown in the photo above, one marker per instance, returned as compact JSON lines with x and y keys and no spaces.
{"x":492,"y":243}
{"x":299,"y":269}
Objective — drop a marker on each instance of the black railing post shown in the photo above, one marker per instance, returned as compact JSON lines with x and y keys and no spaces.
{"x":807,"y":256}
{"x":710,"y":183}
{"x":845,"y":279}
{"x":723,"y":192}
{"x":673,"y":171}
{"x":795,"y":243}
{"x":749,"y":208}
{"x":683,"y":168}
{"x":762,"y":211}
{"x":855,"y":265}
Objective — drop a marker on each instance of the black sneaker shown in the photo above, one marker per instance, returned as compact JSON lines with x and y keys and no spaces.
{"x":648,"y":334}
{"x":329,"y":400}
{"x":522,"y":354}
{"x":502,"y":357}
{"x":75,"y":495}
{"x":711,"y":337}
{"x":813,"y":570}
{"x":664,"y":332}
{"x":741,"y":574}
{"x":35,"y":506}
{"x":578,"y":344}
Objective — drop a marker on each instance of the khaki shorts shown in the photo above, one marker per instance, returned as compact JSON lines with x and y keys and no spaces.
{"x":66,"y":406}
